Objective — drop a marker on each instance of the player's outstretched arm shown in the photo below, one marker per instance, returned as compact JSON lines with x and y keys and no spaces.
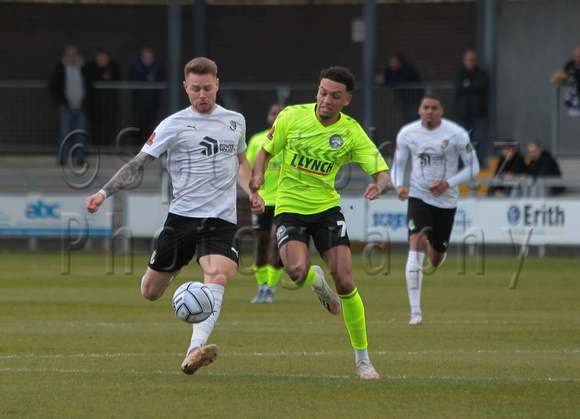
{"x":380,"y":187}
{"x":126,"y":176}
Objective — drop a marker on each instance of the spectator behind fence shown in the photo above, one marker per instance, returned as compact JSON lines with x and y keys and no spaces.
{"x":146,"y":68}
{"x":511,"y":165}
{"x":471,"y":97}
{"x":66,"y":88}
{"x":542,"y":164}
{"x":101,"y":104}
{"x":397,"y":74}
{"x":570,"y":78}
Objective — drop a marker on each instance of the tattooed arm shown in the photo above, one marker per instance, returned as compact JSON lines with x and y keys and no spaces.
{"x":125,"y":177}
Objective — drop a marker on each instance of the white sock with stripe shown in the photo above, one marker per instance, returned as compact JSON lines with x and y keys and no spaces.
{"x":414,"y":278}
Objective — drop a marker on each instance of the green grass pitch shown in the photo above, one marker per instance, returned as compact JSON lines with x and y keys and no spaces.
{"x":85,"y":344}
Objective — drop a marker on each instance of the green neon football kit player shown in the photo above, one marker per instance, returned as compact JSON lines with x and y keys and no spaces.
{"x":315,"y":141}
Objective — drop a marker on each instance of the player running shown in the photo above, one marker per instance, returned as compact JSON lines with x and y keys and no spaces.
{"x":316,"y":140}
{"x":434,"y":145}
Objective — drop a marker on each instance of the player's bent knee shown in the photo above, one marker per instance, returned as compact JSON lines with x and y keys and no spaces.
{"x":153,"y":286}
{"x":150,"y":295}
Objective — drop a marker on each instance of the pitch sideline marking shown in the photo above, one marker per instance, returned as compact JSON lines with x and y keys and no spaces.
{"x":286,"y":375}
{"x":304,"y":353}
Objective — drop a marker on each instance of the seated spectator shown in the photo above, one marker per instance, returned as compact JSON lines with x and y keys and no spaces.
{"x":542,"y":164}
{"x":511,"y":165}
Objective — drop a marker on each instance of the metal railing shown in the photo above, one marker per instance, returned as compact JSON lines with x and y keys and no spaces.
{"x":29,"y":119}
{"x":529,"y":187}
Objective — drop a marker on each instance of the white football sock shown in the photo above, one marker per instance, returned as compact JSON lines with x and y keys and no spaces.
{"x":414,"y":278}
{"x":201,"y":331}
{"x":320,"y":285}
{"x":361,"y":354}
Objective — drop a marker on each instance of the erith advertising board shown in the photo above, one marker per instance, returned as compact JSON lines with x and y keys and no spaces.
{"x":491,"y":220}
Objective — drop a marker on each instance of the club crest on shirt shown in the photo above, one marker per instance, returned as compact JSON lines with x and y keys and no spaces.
{"x":445,"y":144}
{"x":336,"y":141}
{"x":233,"y":125}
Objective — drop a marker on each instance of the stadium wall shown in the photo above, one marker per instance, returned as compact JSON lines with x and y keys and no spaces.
{"x":260,"y":43}
{"x":251,"y":44}
{"x":535,"y":38}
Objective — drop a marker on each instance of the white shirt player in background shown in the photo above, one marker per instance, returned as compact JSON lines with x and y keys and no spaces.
{"x":434,"y":145}
{"x":205,"y":146}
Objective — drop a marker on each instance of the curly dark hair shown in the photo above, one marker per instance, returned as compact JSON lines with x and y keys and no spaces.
{"x":340,"y":75}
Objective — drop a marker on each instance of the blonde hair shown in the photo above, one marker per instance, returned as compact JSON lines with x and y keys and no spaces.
{"x":200,"y":65}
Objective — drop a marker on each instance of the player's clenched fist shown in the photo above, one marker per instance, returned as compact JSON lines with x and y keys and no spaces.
{"x":93,"y":202}
{"x":257,"y":203}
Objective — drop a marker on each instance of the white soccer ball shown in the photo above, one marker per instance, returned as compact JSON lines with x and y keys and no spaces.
{"x":193,"y":302}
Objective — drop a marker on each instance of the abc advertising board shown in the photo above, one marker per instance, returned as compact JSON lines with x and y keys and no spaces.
{"x":52,"y":215}
{"x":492,"y":221}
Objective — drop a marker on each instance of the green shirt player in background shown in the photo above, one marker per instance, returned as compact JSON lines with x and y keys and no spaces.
{"x":315,"y":140}
{"x":267,"y":267}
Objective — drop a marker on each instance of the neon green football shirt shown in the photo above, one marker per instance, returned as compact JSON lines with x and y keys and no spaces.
{"x":313,"y":154}
{"x":270,"y":186}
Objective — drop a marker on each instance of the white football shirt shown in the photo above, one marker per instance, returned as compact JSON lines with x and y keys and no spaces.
{"x":202,"y":160}
{"x":434,"y":156}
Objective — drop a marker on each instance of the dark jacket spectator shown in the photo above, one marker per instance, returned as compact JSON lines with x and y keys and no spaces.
{"x":510,"y":165}
{"x":401,"y":75}
{"x":101,"y":104}
{"x":471,"y":89}
{"x":542,"y":164}
{"x":67,"y":87}
{"x":146,"y":68}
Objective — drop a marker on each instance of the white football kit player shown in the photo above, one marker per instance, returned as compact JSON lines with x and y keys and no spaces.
{"x":434,"y":157}
{"x":202,"y":160}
